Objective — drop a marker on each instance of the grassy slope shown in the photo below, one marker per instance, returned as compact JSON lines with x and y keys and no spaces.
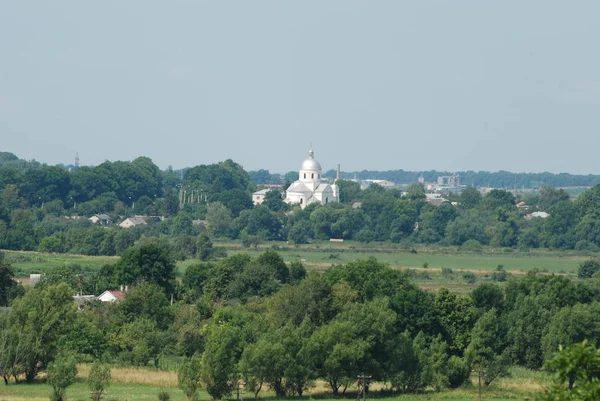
{"x":142,"y":384}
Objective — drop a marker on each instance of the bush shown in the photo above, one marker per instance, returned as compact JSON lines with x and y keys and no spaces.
{"x":588,"y":268}
{"x":425,"y":265}
{"x":500,"y":276}
{"x":60,"y":375}
{"x":163,"y":396}
{"x":470,"y":277}
{"x":472,"y":245}
{"x":98,"y":380}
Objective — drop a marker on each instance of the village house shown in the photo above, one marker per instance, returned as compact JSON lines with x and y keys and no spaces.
{"x":112,"y":296}
{"x":101,"y":219}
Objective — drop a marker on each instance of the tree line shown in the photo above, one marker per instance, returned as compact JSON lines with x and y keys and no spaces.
{"x":276,"y":326}
{"x":36,"y":211}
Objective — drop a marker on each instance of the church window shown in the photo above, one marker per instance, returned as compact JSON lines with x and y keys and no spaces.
{"x":300,"y":200}
{"x":312,"y":176}
{"x":326,"y":200}
{"x":304,"y":175}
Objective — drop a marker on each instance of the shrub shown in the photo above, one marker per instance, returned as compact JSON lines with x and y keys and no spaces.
{"x":472,"y":245}
{"x":588,"y":268}
{"x":470,"y":277}
{"x":163,"y":396}
{"x":98,"y":380}
{"x":61,"y":374}
{"x":425,"y":265}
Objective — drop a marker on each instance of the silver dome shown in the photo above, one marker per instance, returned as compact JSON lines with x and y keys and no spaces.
{"x":310,"y":163}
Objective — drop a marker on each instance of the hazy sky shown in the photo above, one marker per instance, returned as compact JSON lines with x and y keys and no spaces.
{"x":414,"y":85}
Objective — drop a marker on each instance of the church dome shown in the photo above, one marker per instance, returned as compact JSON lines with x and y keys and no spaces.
{"x":310,"y":163}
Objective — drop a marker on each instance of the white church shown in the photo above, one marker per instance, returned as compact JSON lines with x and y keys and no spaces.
{"x":309,"y":188}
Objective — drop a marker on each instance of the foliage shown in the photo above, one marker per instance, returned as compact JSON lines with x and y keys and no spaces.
{"x":577,"y":374}
{"x":188,"y":377}
{"x":60,"y":375}
{"x":98,"y":380}
{"x":588,"y":268}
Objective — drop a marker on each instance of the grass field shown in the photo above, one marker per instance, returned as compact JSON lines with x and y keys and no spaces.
{"x":145,"y":384}
{"x":26,"y":263}
{"x":445,"y":266}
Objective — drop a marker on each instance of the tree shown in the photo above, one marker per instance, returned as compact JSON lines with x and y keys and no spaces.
{"x":275,"y":263}
{"x":577,"y":374}
{"x":415,"y":191}
{"x":98,"y":380}
{"x":8,"y":283}
{"x":588,"y":268}
{"x":147,"y":262}
{"x":60,"y":375}
{"x":218,"y":218}
{"x":146,"y":300}
{"x":274,"y":201}
{"x":297,"y":272}
{"x":219,"y":364}
{"x":188,"y":377}
{"x":456,"y":316}
{"x":570,"y":325}
{"x":487,"y":296}
{"x":469,"y":198}
{"x":204,"y":247}
{"x":485,"y":352}
{"x":349,"y":190}
{"x":43,"y":316}
{"x":300,"y":232}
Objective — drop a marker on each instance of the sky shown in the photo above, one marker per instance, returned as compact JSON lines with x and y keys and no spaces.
{"x":376,"y":85}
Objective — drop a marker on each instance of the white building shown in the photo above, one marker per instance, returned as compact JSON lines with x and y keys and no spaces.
{"x":310,"y":188}
{"x":258,"y":197}
{"x":111,"y":296}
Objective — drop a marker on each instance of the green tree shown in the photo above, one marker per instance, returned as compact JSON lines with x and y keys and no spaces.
{"x":457,"y":318}
{"x":570,"y":325}
{"x":485,"y":352}
{"x":204,"y":246}
{"x":588,"y":268}
{"x":8,"y":284}
{"x":98,"y":380}
{"x":297,"y":272}
{"x":147,"y":262}
{"x":469,"y":198}
{"x":275,"y":263}
{"x":274,"y":201}
{"x":146,"y":300}
{"x":300,"y":232}
{"x":577,"y":374}
{"x":60,"y":375}
{"x":43,"y":316}
{"x":349,"y":190}
{"x":219,"y":219}
{"x":219,"y":365}
{"x":188,"y":377}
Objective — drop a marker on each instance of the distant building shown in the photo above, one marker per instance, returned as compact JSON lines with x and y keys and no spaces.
{"x":100,"y":218}
{"x":258,"y":197}
{"x":436,"y":201}
{"x":83,"y":299}
{"x":541,"y":215}
{"x":34,"y":279}
{"x":112,"y":296}
{"x":310,"y":187}
{"x":382,"y":183}
{"x":133,"y":221}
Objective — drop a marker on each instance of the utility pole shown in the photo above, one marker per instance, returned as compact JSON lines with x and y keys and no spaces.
{"x":363,"y":386}
{"x":239,"y":391}
{"x":480,"y":373}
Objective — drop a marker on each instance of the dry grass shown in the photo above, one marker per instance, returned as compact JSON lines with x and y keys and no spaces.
{"x":136,"y":376}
